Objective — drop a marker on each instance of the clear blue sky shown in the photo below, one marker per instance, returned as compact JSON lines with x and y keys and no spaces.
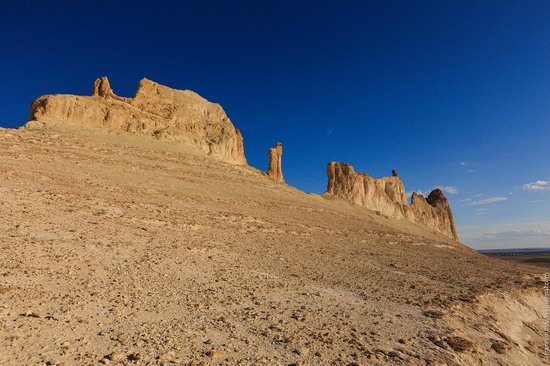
{"x":455,"y":94}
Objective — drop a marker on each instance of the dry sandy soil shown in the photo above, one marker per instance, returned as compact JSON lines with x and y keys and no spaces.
{"x":124,"y":250}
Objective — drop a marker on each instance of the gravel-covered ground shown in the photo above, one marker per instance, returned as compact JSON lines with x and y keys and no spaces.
{"x":116,"y":249}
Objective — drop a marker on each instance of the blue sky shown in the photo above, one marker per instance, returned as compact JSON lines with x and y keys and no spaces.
{"x":455,"y":94}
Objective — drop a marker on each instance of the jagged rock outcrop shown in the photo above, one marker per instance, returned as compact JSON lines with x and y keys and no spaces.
{"x":274,"y":169}
{"x":434,"y":212}
{"x":387,"y":196}
{"x":102,"y":88}
{"x":155,"y":110}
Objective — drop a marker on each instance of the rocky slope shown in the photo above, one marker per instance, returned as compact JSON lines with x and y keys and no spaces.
{"x":387,"y":196}
{"x":121,"y":249}
{"x":155,"y":110}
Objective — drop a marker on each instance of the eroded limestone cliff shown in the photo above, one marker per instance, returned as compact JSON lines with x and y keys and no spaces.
{"x":387,"y":196}
{"x":155,"y":110}
{"x":434,"y":212}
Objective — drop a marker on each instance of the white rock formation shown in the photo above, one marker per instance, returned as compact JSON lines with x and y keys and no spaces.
{"x":387,"y":196}
{"x":156,"y":110}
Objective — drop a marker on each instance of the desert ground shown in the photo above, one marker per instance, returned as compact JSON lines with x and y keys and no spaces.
{"x":119,"y":249}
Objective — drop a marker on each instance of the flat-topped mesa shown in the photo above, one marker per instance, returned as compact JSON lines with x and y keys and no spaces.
{"x":275,"y":169}
{"x":387,"y":196}
{"x":155,"y":110}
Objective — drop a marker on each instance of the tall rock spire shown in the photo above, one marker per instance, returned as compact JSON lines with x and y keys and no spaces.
{"x":274,"y":169}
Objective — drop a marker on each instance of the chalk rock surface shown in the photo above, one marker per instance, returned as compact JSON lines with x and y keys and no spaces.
{"x":387,"y":196}
{"x":155,"y":110}
{"x":434,"y":212}
{"x":274,"y":169}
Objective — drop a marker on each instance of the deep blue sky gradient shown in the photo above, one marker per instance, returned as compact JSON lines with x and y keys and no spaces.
{"x":418,"y":86}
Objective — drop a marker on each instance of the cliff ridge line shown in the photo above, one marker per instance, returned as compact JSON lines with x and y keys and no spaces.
{"x":387,"y":196}
{"x":155,"y":110}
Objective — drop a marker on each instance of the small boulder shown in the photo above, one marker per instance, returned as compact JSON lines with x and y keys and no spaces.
{"x":459,"y":344}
